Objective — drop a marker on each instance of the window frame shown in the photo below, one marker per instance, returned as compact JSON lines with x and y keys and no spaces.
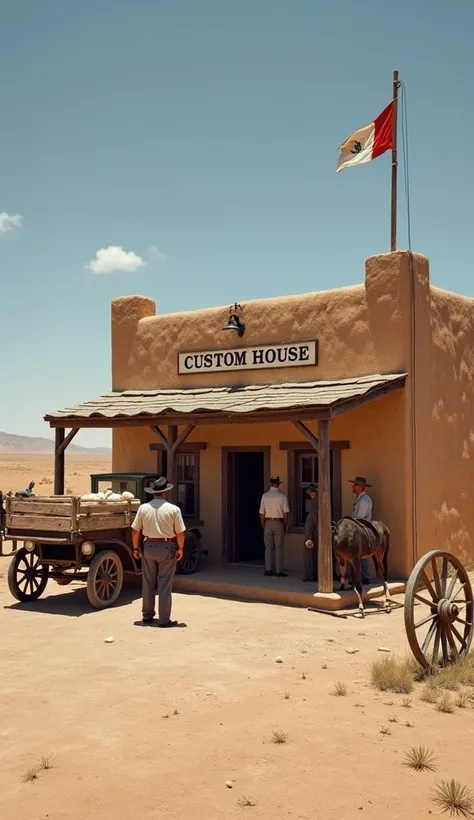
{"x":191,"y":448}
{"x":294,"y":451}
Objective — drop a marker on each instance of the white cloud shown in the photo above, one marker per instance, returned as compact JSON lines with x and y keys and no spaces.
{"x":157,"y":253}
{"x":115,"y":258}
{"x":9,"y":221}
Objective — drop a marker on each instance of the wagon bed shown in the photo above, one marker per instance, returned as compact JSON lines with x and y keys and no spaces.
{"x":66,"y":516}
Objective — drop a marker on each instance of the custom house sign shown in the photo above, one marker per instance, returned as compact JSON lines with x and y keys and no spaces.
{"x":288,"y":354}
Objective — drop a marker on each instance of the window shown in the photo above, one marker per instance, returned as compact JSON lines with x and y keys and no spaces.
{"x":306,"y":472}
{"x":187,"y":479}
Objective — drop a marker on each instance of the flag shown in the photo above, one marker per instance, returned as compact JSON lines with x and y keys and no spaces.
{"x":368,"y":142}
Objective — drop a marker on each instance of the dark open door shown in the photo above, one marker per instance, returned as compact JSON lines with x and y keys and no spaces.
{"x":246,"y":480}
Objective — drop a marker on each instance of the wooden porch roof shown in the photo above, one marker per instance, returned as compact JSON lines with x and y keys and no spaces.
{"x":227,"y":405}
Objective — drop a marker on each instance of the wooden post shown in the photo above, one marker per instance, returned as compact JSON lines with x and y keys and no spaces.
{"x":325,"y":561}
{"x":59,"y":461}
{"x":171,"y":459}
{"x":393,"y":218}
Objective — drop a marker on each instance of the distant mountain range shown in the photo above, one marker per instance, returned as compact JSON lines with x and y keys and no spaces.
{"x":10,"y":443}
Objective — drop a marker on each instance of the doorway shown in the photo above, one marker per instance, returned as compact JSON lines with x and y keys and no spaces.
{"x":245,"y":479}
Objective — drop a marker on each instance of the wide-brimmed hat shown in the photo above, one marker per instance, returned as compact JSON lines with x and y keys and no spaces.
{"x":359,"y":479}
{"x":159,"y":486}
{"x":275,"y":480}
{"x":312,"y":488}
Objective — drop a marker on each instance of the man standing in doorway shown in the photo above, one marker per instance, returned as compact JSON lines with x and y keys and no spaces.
{"x":310,"y":551}
{"x":274,"y":511}
{"x":362,"y":509}
{"x":161,"y":524}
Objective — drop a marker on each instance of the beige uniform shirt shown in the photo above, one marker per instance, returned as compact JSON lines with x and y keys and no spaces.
{"x":274,"y":504}
{"x":159,"y":519}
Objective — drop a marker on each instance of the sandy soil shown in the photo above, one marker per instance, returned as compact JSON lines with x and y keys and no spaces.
{"x":107,"y":714}
{"x":17,"y":470}
{"x":154,"y":724}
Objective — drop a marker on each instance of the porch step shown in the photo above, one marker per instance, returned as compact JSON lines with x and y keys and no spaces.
{"x":248,"y":584}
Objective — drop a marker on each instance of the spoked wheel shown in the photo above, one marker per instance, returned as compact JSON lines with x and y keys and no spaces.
{"x":27,"y":577}
{"x":439,"y":610}
{"x":104,"y":579}
{"x":191,"y":555}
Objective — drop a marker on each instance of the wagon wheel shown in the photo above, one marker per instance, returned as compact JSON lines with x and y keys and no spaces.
{"x":104,"y":579}
{"x":439,"y":610}
{"x":191,"y":555}
{"x":27,"y":577}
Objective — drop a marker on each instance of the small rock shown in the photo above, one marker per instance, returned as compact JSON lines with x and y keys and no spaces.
{"x":278,"y":660}
{"x":351,"y":651}
{"x":383,"y":649}
{"x":228,"y":784}
{"x":109,"y":640}
{"x":330,"y":640}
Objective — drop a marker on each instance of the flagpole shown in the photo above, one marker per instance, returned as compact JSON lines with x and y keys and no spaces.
{"x":393,"y":218}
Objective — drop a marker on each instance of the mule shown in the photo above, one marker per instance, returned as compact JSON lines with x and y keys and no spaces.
{"x":355,"y":539}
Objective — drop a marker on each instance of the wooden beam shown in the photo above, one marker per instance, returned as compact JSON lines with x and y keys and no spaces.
{"x":183,"y":436}
{"x":159,"y":434}
{"x":171,"y":460}
{"x":72,"y":433}
{"x":325,"y":561}
{"x":307,"y":434}
{"x":59,"y":461}
{"x":301,"y":445}
{"x":193,"y":445}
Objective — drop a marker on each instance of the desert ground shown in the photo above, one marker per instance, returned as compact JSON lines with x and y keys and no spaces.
{"x":179,"y":724}
{"x":17,"y":470}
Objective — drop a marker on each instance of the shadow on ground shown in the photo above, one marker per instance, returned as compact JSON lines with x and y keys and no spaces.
{"x":74,"y":602}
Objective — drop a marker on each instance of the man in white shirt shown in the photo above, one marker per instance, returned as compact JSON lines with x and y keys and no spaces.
{"x":274,"y":511}
{"x":362,"y":509}
{"x":161,"y":524}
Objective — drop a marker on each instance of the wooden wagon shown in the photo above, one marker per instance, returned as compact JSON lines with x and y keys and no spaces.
{"x":66,"y":538}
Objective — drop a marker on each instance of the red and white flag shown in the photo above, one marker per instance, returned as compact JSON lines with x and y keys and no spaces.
{"x":368,"y":142}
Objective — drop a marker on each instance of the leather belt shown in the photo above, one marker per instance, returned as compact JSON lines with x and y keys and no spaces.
{"x":274,"y":519}
{"x":158,"y":540}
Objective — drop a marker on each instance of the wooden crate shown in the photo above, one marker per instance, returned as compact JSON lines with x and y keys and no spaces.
{"x":68,"y":514}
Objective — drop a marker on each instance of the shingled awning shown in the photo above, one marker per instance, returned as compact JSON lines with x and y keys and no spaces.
{"x":214,"y":405}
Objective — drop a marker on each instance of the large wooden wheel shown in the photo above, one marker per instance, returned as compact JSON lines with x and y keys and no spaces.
{"x":27,"y":577}
{"x":104,"y":579}
{"x":439,"y":610}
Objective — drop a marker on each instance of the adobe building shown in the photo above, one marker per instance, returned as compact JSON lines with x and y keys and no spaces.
{"x":375,"y":380}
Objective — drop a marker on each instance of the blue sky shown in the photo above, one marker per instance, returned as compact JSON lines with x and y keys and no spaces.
{"x":208,"y":130}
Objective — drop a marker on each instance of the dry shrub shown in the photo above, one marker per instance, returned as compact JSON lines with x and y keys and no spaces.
{"x":445,"y":704}
{"x":454,"y":797}
{"x":421,"y":759}
{"x":339,"y":690}
{"x":246,"y":802}
{"x":279,"y":736}
{"x":389,"y":674}
{"x":462,"y":700}
{"x":457,"y":674}
{"x":31,"y":775}
{"x":430,"y":692}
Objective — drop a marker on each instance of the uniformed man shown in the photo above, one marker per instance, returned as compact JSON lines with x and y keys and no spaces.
{"x":274,"y":511}
{"x":362,"y":509}
{"x":310,"y":551}
{"x":162,"y":526}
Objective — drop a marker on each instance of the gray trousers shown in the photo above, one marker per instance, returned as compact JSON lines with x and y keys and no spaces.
{"x":158,"y":568}
{"x":310,"y":561}
{"x":274,"y":540}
